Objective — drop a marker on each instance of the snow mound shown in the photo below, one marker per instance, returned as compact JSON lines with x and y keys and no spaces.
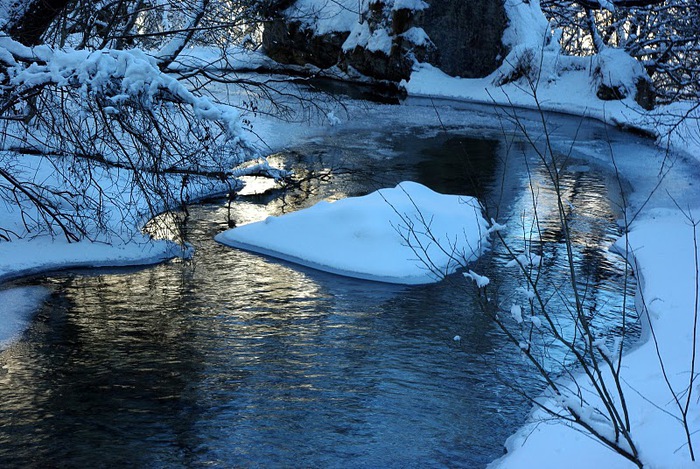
{"x":616,"y":69}
{"x":407,"y":235}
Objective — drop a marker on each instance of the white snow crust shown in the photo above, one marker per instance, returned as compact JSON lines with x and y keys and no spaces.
{"x":415,"y":5}
{"x":407,"y":235}
{"x":30,"y":256}
{"x":375,"y":41}
{"x":416,"y":36}
{"x":325,"y":17}
{"x":617,"y":69}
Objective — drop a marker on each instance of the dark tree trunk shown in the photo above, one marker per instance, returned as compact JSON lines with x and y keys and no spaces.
{"x":29,"y":22}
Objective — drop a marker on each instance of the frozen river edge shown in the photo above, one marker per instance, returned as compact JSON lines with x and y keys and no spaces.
{"x":661,"y":247}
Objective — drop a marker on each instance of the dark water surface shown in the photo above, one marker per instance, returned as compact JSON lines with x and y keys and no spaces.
{"x":234,"y":360}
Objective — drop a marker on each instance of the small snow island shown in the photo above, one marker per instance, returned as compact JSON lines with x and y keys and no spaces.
{"x":408,"y":234}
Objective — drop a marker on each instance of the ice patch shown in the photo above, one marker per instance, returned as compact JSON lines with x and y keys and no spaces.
{"x":407,"y":235}
{"x":42,"y":254}
{"x":17,"y":306}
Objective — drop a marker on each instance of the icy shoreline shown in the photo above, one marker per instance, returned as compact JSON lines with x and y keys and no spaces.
{"x":24,"y":258}
{"x":660,"y":246}
{"x":658,"y":250}
{"x":570,"y":94}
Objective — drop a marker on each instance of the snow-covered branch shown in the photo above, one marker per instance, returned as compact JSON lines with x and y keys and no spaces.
{"x":125,"y":139}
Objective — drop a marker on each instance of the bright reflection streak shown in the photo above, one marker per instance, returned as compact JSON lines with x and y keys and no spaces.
{"x":255,"y":185}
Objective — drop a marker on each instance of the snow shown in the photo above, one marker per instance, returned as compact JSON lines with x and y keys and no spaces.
{"x":325,"y":17}
{"x":349,"y":16}
{"x":380,"y":41}
{"x":391,"y":235}
{"x":566,"y":89}
{"x":579,"y":99}
{"x":667,"y":281}
{"x":480,"y":280}
{"x":232,"y":58}
{"x":524,"y":260}
{"x":615,"y":68}
{"x":416,"y":36}
{"x":359,"y":36}
{"x":177,"y":43}
{"x":527,"y":25}
{"x":137,"y":72}
{"x":30,"y":256}
{"x":517,"y":313}
{"x":415,"y":5}
{"x":374,"y":41}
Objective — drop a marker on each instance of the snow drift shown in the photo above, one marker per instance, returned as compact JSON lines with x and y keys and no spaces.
{"x":407,"y":235}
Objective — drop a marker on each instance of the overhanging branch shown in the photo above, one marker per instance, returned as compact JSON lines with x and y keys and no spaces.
{"x":596,"y":5}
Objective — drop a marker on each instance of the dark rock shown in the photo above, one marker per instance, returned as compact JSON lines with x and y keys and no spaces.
{"x":289,"y":43}
{"x":644,"y":93}
{"x":378,"y":65}
{"x":401,"y":21}
{"x":467,"y":35}
{"x":610,"y":93}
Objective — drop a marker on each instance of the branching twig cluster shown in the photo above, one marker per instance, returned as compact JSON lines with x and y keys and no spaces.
{"x":664,"y":35}
{"x":97,"y":91}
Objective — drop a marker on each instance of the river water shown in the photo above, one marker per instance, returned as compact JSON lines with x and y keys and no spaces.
{"x":234,"y":360}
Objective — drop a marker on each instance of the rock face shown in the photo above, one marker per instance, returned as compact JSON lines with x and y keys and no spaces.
{"x":288,"y":42}
{"x":465,"y":39}
{"x":467,"y":35}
